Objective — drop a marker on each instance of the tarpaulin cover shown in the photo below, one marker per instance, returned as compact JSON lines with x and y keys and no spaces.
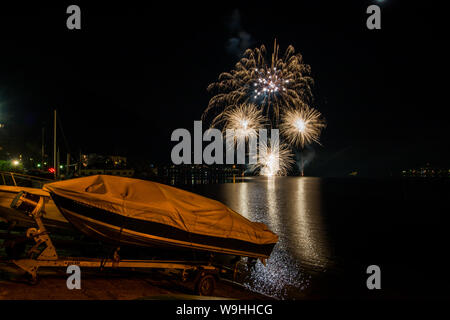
{"x":160,"y":203}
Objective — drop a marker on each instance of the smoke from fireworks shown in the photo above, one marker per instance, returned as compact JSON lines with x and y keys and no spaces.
{"x":271,"y":84}
{"x":301,"y":126}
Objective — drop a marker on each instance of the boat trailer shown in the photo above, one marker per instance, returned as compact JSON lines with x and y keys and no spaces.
{"x":43,"y":254}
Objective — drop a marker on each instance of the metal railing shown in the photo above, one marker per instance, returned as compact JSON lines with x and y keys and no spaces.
{"x":22,"y":180}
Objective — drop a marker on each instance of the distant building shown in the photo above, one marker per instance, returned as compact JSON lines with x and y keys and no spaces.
{"x":117,"y":161}
{"x":92,"y":164}
{"x":114,"y":172}
{"x":199,"y":173}
{"x":427,"y":172}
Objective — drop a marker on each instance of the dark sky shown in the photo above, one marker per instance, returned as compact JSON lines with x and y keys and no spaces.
{"x":135,"y":73}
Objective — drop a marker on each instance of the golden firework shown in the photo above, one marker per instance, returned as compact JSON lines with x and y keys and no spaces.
{"x":245,"y":119}
{"x":274,"y":159}
{"x":301,"y":126}
{"x":271,"y":84}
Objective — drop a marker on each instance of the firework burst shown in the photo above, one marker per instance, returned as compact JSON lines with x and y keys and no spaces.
{"x":245,"y":119}
{"x":271,"y":84}
{"x":274,"y":159}
{"x":255,"y":94}
{"x":301,"y":126}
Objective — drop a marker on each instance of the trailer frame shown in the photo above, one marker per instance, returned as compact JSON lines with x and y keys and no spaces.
{"x":43,"y":254}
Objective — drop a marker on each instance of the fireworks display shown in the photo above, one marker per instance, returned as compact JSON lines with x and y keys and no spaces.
{"x":301,"y":126}
{"x":274,"y":159}
{"x":255,"y":93}
{"x":271,"y":84}
{"x":244,"y":119}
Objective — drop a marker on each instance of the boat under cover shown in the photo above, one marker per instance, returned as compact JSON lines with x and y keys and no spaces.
{"x":129,"y":211}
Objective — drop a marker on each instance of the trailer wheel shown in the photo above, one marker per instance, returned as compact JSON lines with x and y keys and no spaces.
{"x":205,"y":285}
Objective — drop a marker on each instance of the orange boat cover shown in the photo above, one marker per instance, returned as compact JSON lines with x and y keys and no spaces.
{"x":160,"y":203}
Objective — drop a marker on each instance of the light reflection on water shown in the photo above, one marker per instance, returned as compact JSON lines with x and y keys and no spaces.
{"x":291,"y":207}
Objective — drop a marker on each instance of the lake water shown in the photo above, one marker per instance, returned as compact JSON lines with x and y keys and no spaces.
{"x":331,"y":230}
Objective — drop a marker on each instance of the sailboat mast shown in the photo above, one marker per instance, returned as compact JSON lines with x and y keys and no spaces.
{"x":42,"y":147}
{"x":54,"y":145}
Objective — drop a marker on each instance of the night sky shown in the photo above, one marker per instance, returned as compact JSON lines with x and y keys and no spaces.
{"x":134,"y":73}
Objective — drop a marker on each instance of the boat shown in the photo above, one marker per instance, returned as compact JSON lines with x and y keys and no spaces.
{"x":127,"y":211}
{"x":10,"y":217}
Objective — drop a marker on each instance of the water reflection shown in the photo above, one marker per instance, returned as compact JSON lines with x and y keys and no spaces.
{"x":293,"y":212}
{"x":291,"y":207}
{"x":272,"y":207}
{"x":243,"y":200}
{"x":307,"y":229}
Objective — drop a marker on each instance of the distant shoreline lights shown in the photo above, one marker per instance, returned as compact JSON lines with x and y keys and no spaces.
{"x":263,"y":153}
